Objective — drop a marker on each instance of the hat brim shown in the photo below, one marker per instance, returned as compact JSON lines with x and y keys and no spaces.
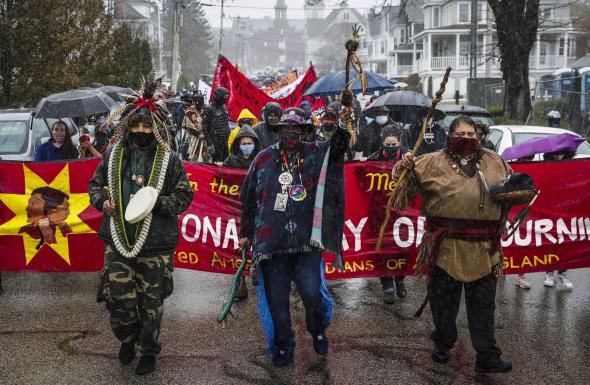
{"x":305,"y":126}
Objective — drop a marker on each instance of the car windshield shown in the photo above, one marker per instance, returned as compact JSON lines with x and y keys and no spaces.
{"x":13,"y":136}
{"x":583,"y":149}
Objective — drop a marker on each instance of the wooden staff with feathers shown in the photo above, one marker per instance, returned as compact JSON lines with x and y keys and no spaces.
{"x":394,"y":195}
{"x":347,"y":97}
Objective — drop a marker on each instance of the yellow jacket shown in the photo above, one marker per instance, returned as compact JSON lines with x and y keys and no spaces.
{"x":245,"y":114}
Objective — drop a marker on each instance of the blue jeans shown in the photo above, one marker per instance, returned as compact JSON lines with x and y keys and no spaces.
{"x":387,"y":282}
{"x":277,"y":273}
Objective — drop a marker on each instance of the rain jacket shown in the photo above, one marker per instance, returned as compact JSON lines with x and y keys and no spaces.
{"x":244,"y":114}
{"x":236,"y":159}
{"x":370,"y":137}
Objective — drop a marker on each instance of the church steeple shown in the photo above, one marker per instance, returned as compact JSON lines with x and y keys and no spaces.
{"x":280,"y":11}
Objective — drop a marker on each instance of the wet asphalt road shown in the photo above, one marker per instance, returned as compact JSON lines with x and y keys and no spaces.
{"x":53,"y":332}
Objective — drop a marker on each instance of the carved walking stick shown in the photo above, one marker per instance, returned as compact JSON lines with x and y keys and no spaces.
{"x":352,"y":60}
{"x":405,"y":172}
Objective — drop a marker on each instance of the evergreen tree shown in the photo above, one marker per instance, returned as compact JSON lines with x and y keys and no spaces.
{"x":195,"y":38}
{"x":52,"y":46}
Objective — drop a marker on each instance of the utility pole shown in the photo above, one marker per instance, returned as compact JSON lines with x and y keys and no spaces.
{"x":221,"y":26}
{"x":489,"y":40}
{"x":175,"y":42}
{"x":473,"y":48}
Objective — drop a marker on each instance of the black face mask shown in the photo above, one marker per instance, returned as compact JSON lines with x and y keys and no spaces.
{"x":390,"y":152}
{"x":141,"y":139}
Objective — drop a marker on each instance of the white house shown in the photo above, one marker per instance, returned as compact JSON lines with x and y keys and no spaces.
{"x":446,"y":42}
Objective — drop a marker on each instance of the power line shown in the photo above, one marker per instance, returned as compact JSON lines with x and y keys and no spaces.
{"x":293,"y":9}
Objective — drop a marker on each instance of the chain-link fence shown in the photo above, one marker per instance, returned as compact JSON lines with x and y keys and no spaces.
{"x":566,"y":95}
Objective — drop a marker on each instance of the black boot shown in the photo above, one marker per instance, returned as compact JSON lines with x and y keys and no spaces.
{"x":440,"y":355}
{"x":320,"y":344}
{"x":283,"y":357}
{"x":493,"y":366}
{"x":242,"y":292}
{"x":126,"y":352}
{"x":146,"y":365}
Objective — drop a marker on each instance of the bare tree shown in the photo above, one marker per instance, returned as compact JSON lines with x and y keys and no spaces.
{"x":517,"y":22}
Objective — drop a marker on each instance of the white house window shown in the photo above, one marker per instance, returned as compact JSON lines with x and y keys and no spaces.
{"x":547,"y":12}
{"x":463,"y":13}
{"x":382,"y":47}
{"x":402,"y":38}
{"x":346,"y":15}
{"x":561,"y":46}
{"x":481,"y":12}
{"x":436,"y":17}
{"x":571,"y":47}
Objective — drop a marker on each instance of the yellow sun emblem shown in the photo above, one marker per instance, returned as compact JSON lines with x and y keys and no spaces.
{"x":45,"y":214}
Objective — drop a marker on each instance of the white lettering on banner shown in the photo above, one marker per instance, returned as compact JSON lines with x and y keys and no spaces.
{"x":215,"y":233}
{"x":231,"y":234}
{"x":396,"y":226}
{"x":185,"y":222}
{"x":543,"y":227}
{"x":563,"y":229}
{"x":528,"y":235}
{"x":356,"y":232}
{"x":420,"y":233}
{"x":532,"y":232}
{"x":546,"y":229}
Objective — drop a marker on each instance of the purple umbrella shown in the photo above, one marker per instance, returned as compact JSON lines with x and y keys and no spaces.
{"x":561,"y":142}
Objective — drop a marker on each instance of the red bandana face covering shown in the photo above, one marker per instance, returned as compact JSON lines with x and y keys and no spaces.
{"x":289,"y":140}
{"x":463,"y":146}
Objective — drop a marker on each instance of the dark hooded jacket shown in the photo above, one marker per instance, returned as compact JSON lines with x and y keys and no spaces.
{"x":216,"y":124}
{"x":438,"y":143}
{"x":236,"y":158}
{"x":370,"y":138}
{"x":266,"y":135}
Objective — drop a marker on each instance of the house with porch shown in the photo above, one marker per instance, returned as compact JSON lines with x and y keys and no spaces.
{"x":445,"y":41}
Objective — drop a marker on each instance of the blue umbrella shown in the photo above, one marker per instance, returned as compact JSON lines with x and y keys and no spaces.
{"x":333,"y":84}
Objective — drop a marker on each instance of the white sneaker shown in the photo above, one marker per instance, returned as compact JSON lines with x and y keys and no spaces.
{"x":565,"y":281}
{"x":549,"y":280}
{"x":522,"y":282}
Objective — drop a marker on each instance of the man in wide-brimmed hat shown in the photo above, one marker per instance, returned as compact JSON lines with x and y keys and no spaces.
{"x":293,"y":208}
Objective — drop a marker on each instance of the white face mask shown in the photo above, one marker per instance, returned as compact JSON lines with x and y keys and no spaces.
{"x":381,"y":119}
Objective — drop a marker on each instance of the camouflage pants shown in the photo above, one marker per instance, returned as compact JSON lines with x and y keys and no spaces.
{"x":134,"y":290}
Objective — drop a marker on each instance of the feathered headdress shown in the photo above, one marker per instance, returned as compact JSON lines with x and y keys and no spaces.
{"x":146,"y":103}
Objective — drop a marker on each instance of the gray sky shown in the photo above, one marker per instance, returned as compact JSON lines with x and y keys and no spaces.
{"x":261,"y":8}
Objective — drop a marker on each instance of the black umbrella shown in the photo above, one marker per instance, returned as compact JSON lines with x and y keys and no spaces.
{"x":74,"y":103}
{"x":118,"y":94}
{"x":407,"y":107}
{"x":173,"y":103}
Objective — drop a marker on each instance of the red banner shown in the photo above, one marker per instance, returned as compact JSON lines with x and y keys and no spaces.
{"x":556,"y":234}
{"x":245,"y":94}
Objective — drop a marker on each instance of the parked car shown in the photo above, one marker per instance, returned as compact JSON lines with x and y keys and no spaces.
{"x":21,"y":133}
{"x":453,"y":111}
{"x":503,"y":137}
